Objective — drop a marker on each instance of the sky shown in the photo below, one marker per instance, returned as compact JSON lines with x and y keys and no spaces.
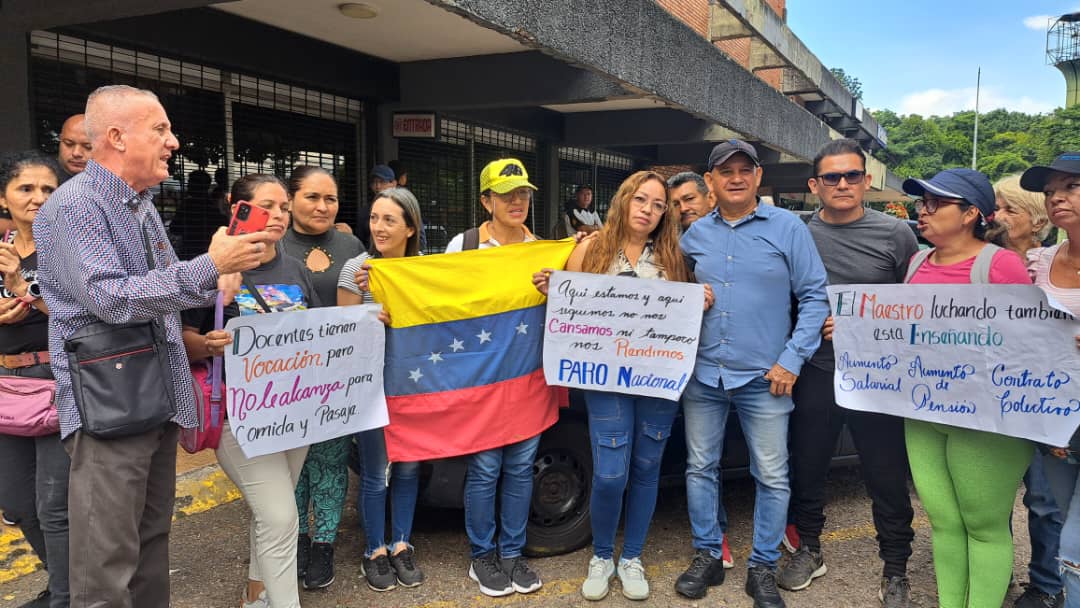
{"x":921,"y":56}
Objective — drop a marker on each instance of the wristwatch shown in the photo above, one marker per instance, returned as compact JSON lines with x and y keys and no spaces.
{"x":33,"y":292}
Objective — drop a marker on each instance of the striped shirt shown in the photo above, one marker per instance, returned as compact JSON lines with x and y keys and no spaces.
{"x":92,"y":267}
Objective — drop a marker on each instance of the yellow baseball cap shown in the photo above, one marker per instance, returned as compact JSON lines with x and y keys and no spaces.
{"x":504,"y":175}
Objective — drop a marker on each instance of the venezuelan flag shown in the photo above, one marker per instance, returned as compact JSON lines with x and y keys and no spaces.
{"x":464,"y":370}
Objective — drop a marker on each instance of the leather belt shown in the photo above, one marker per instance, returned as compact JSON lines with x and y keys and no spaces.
{"x":24,"y":359}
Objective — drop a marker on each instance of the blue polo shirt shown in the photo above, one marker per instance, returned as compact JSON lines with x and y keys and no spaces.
{"x":758,"y":267}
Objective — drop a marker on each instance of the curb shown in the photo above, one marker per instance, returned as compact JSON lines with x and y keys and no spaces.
{"x":197,"y":491}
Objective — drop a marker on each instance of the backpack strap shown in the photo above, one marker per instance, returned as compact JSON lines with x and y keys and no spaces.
{"x":916,"y":261}
{"x":471,"y":239}
{"x":980,"y":269}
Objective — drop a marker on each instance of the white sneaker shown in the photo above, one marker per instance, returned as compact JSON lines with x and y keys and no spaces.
{"x":260,"y":602}
{"x":632,"y":577}
{"x":598,"y":582}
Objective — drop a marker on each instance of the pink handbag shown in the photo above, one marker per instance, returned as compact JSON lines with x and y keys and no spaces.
{"x":27,"y":407}
{"x":209,"y":399}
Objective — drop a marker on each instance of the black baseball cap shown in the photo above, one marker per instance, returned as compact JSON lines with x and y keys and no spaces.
{"x":726,"y":149}
{"x":1034,"y":179}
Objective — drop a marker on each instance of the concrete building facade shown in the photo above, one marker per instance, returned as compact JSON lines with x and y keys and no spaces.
{"x":582,"y":93}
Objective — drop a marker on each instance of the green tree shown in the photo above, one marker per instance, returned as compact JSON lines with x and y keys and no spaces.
{"x":851,"y":83}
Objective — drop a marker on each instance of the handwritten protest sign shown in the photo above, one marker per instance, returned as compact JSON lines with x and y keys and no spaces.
{"x":298,"y":378}
{"x":621,"y":334}
{"x":995,"y":358}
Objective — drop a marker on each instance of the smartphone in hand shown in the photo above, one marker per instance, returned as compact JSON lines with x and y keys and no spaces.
{"x":248,"y":219}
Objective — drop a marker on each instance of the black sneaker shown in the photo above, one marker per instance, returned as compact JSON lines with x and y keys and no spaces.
{"x":303,"y":554}
{"x":7,"y":519}
{"x":1033,"y":598}
{"x":895,"y":592}
{"x":320,"y":570}
{"x":761,"y":585}
{"x":379,"y":573}
{"x":522,"y":578}
{"x":486,"y":572}
{"x":408,"y":574}
{"x":801,"y":569}
{"x":705,"y":571}
{"x":41,"y":601}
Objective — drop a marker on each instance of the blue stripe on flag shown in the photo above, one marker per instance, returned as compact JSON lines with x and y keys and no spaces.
{"x":463,"y":354}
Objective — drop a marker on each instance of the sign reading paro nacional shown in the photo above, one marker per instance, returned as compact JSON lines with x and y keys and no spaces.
{"x":996,"y":358}
{"x":621,"y":334}
{"x":302,"y":377}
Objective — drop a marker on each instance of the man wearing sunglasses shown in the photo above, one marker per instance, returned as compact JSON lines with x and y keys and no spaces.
{"x":754,"y":341}
{"x":857,"y":245}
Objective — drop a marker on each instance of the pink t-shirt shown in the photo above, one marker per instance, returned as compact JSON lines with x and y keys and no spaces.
{"x":1006,"y":267}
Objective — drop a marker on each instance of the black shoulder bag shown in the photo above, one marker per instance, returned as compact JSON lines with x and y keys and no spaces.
{"x":121,"y":375}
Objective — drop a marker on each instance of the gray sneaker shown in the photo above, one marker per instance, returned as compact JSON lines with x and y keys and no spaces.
{"x":598,"y":581}
{"x":895,"y":592}
{"x":632,"y":577}
{"x":801,"y":570}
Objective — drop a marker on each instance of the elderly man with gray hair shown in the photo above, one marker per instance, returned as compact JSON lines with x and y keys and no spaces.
{"x":105,"y":261}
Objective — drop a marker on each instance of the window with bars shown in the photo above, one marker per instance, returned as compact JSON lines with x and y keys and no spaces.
{"x":604,"y":171}
{"x":444,"y":174}
{"x":228,"y":125}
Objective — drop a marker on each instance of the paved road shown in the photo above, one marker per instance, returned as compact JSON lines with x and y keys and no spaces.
{"x":210,"y":551}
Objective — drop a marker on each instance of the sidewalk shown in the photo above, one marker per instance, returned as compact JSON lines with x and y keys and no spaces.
{"x":201,"y":485}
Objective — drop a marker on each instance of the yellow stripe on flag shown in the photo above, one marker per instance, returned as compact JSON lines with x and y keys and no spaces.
{"x":450,"y":287}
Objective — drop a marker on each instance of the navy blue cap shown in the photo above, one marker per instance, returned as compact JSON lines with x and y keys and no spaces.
{"x":968,"y":184}
{"x":726,"y":149}
{"x":1034,"y":179}
{"x":383,"y":172}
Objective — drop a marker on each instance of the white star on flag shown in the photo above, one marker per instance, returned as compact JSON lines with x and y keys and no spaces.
{"x":485,"y":336}
{"x":415,"y":375}
{"x":435,"y":357}
{"x":522,"y":328}
{"x":457,"y":345}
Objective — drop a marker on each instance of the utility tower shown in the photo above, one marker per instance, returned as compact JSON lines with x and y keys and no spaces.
{"x":1063,"y":52}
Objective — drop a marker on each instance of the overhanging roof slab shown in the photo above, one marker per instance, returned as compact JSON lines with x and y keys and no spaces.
{"x":606,"y":39}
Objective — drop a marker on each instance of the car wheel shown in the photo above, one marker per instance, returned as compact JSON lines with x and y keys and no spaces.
{"x":562,"y":482}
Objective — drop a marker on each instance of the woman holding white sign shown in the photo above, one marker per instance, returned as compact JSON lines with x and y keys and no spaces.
{"x":1057,"y":271}
{"x":395,"y":233}
{"x":966,"y":479}
{"x":628,"y":432}
{"x":269,"y":481}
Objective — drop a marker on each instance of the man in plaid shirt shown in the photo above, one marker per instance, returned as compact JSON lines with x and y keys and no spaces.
{"x":93,"y":266}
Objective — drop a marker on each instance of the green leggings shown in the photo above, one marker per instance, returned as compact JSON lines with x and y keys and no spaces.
{"x":967,"y":482}
{"x":325,"y":481}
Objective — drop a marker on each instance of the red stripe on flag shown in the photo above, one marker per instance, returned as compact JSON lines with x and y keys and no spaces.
{"x":452,"y":423}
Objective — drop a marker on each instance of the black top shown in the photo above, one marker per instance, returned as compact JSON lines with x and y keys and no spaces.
{"x":323,"y":255}
{"x":284,"y":284}
{"x":32,"y":332}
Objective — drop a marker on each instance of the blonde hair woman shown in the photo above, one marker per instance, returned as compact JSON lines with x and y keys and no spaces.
{"x":1023,"y":212}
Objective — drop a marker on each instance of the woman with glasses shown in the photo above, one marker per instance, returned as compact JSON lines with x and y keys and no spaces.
{"x":1057,"y":271}
{"x":627,"y":432}
{"x":966,"y":479}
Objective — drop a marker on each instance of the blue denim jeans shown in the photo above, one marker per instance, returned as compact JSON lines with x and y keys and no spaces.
{"x":1044,"y":527}
{"x":1064,"y":481}
{"x":627,"y":435}
{"x":514,"y":465}
{"x":404,"y":484}
{"x":764,"y":421}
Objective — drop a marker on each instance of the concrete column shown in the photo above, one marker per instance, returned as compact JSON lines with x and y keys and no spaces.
{"x":15,"y":107}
